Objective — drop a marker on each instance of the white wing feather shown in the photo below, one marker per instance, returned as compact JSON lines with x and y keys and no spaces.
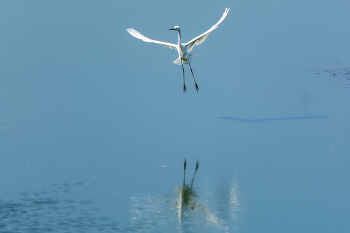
{"x":199,"y":39}
{"x":138,"y":35}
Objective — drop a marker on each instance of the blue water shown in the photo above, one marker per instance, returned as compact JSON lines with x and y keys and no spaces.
{"x":94,"y":126}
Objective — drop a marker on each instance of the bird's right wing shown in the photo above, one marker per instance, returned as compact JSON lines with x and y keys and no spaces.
{"x":199,"y":39}
{"x":138,"y":35}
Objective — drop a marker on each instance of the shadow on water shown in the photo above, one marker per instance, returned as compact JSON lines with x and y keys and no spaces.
{"x":53,"y":210}
{"x":270,"y":119}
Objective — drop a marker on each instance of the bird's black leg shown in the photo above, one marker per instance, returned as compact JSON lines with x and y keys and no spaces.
{"x":195,"y":83}
{"x":185,"y":163}
{"x":183,"y":75}
{"x":197,"y":164}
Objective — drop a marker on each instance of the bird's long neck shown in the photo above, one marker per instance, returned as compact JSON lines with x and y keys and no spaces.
{"x":179,"y":37}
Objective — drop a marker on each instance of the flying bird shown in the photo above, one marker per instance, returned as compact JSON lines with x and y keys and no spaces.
{"x":183,"y":49}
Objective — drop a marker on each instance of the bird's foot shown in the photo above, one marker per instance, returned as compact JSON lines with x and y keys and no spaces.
{"x":197,"y":88}
{"x":185,"y":89}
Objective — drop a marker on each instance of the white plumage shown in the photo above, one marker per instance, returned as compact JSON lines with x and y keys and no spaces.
{"x":182,"y":48}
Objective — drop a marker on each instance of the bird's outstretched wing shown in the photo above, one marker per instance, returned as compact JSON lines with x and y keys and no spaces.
{"x":138,"y":35}
{"x":199,"y":39}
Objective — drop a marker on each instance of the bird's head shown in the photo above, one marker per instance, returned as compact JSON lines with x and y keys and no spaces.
{"x":176,"y":28}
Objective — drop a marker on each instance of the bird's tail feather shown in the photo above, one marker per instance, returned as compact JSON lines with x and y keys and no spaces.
{"x":177,"y":61}
{"x":185,"y":62}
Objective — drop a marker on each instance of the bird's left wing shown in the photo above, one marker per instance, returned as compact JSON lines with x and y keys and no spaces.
{"x":199,"y":39}
{"x":138,"y":35}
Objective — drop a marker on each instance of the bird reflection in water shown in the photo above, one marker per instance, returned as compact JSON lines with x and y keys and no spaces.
{"x":187,"y":194}
{"x":184,"y":210}
{"x":186,"y":200}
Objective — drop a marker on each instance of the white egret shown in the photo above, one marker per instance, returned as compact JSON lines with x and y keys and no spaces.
{"x":182,"y":48}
